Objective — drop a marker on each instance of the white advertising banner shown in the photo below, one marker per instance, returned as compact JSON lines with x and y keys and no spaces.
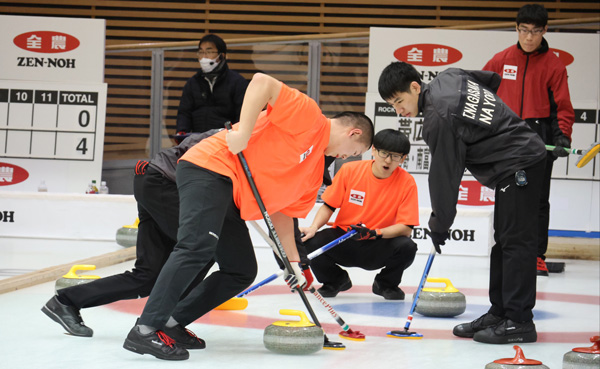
{"x":52,"y":49}
{"x":52,"y":103}
{"x":65,"y":216}
{"x":433,"y":50}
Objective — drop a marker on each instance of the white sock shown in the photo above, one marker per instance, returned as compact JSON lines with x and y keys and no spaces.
{"x":171,"y":322}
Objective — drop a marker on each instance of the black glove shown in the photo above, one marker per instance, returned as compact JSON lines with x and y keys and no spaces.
{"x":364,"y":233}
{"x":560,"y":142}
{"x":438,"y":239}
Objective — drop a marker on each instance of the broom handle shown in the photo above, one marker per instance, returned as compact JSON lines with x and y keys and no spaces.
{"x":265,"y":214}
{"x":567,"y":149}
{"x":423,"y":279}
{"x":311,"y":256}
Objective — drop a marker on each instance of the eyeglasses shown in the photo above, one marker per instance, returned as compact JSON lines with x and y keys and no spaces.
{"x":208,"y":53}
{"x":384,"y":155}
{"x":533,"y":32}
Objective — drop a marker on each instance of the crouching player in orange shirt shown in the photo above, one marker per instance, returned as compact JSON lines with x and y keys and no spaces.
{"x":382,"y":199}
{"x":285,"y":148}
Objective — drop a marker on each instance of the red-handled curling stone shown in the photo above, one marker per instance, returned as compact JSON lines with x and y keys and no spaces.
{"x":518,"y":362}
{"x":584,"y":357}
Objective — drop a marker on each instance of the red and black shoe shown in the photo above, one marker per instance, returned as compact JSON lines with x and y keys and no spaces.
{"x":157,"y":344}
{"x":542,"y":269}
{"x":185,"y":338}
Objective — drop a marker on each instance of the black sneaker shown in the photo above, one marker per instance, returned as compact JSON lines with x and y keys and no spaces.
{"x":184,"y":337}
{"x":157,"y":344}
{"x":331,"y":290}
{"x":508,"y":331}
{"x":388,"y":293}
{"x":467,"y":330}
{"x":67,"y":316}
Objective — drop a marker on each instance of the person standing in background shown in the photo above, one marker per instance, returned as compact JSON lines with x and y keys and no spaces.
{"x":214,"y":94}
{"x":534,"y":85}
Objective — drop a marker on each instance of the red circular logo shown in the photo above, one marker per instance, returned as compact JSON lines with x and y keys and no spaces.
{"x":564,"y":56}
{"x":428,"y":55}
{"x":11,"y":174}
{"x":47,"y":42}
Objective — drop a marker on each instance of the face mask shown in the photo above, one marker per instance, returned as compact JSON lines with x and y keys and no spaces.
{"x":208,"y":65}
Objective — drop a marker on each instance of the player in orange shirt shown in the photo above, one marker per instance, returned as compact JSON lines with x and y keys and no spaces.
{"x":382,"y":199}
{"x":285,"y":148}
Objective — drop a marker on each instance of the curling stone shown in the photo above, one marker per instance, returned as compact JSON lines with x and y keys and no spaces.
{"x":127,"y":235}
{"x":73,"y":279}
{"x":293,"y":337}
{"x":441,"y":302}
{"x":583,"y":357}
{"x":518,"y":362}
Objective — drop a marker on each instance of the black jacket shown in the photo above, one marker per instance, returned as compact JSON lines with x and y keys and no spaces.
{"x":467,"y":126}
{"x":201,"y":108}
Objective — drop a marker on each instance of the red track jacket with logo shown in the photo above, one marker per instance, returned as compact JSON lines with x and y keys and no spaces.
{"x":534,"y":85}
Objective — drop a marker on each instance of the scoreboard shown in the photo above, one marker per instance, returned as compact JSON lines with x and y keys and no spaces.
{"x":53,"y":130}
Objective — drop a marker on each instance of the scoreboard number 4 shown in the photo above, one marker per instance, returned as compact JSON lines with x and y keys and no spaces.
{"x":82,"y":146}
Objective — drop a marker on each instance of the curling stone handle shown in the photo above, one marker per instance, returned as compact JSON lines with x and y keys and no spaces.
{"x":134,"y":225}
{"x":449,"y":287}
{"x":73,"y":271}
{"x":298,"y":313}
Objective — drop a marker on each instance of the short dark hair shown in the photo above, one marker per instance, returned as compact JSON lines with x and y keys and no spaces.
{"x":358,"y":120}
{"x":396,"y":78}
{"x":218,"y":41}
{"x":392,"y":140}
{"x":534,"y":14}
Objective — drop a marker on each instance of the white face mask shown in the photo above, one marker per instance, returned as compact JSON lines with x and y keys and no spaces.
{"x":208,"y":65}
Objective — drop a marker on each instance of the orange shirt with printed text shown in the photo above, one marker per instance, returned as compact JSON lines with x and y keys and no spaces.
{"x":377,"y":203}
{"x":285,"y":155}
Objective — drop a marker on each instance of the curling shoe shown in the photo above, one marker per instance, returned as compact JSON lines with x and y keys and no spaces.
{"x":468,"y":330}
{"x":388,"y":293}
{"x":157,"y":344}
{"x":184,"y":337}
{"x":331,"y":289}
{"x":542,"y":269}
{"x":68,"y":316}
{"x":508,"y":331}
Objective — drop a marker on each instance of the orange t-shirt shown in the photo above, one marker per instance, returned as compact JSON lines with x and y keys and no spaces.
{"x":285,"y":154}
{"x":376,"y":203}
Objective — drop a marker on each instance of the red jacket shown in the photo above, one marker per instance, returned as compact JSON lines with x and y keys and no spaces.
{"x":534,"y":84}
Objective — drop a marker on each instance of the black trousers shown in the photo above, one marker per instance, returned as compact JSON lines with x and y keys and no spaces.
{"x":210,"y":227}
{"x":158,"y":212}
{"x":544,"y":129}
{"x":513,"y":258}
{"x":394,"y":255}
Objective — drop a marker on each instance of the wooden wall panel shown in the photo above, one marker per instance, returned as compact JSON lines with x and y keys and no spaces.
{"x":344,"y":64}
{"x":148,"y":21}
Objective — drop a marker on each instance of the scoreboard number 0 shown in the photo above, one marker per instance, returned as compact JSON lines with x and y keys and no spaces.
{"x":84,"y":118}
